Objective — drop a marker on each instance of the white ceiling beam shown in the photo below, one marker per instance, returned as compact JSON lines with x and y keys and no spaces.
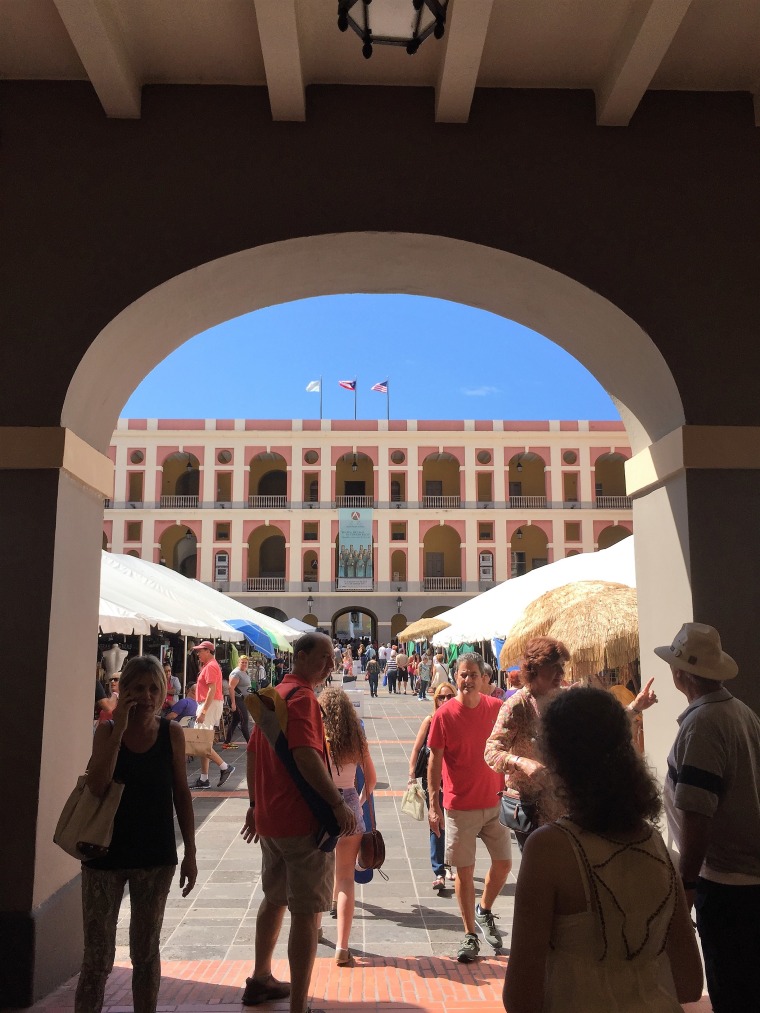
{"x":278,"y":32}
{"x":96,"y":37}
{"x":466,"y":28}
{"x":643,"y":43}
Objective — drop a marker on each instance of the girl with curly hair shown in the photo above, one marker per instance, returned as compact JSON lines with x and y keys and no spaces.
{"x":348,"y":749}
{"x":601,"y":923}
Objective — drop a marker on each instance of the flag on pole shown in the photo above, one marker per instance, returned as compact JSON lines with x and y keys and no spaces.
{"x":314,"y":387}
{"x":381,"y":388}
{"x":347,"y":384}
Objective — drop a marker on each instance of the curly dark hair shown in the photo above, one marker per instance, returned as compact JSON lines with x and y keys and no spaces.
{"x":586,"y":742}
{"x":541,"y":651}
{"x":348,"y":744}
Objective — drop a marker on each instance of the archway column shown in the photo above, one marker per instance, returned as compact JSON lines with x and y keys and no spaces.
{"x":51,"y":501}
{"x":695,"y":560}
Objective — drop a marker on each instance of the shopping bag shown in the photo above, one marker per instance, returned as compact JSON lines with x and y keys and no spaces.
{"x":85,"y":826}
{"x":413,"y":802}
{"x":198,"y":741}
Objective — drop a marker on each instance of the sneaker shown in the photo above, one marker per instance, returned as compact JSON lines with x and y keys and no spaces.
{"x":486,"y":922}
{"x":469,"y":949}
{"x":201,"y":784}
{"x":224,"y":774}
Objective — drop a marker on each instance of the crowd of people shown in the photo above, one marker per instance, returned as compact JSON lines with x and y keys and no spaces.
{"x":602,"y":915}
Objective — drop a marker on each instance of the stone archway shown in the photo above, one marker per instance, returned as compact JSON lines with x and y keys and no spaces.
{"x":596,"y":332}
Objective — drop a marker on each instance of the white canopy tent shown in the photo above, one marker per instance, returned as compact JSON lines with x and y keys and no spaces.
{"x":113,"y":618}
{"x":492,"y":614}
{"x":281,"y":635}
{"x":140,"y":593}
{"x":298,"y":624}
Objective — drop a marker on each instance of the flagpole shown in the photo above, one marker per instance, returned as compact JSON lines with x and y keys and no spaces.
{"x":356,"y":384}
{"x":320,"y":398}
{"x":388,"y":401}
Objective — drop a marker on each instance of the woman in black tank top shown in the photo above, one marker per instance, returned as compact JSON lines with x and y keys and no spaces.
{"x":147,"y":754}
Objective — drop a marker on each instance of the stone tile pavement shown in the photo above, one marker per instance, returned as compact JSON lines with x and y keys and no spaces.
{"x":405,"y":935}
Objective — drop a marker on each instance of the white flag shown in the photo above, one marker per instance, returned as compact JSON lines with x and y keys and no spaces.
{"x":314,"y":386}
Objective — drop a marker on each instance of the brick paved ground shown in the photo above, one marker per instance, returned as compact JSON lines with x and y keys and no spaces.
{"x":405,"y":935}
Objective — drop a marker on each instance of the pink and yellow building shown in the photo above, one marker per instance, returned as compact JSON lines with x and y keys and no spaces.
{"x":251,"y":506}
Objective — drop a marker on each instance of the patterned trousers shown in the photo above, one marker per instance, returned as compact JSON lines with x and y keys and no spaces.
{"x":102,"y":892}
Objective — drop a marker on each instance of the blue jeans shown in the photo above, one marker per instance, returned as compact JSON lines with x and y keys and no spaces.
{"x":437,"y":844}
{"x":423,"y":689}
{"x":728,"y":919}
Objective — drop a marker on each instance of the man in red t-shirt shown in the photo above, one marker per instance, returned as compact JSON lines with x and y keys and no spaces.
{"x":295,"y":873}
{"x":210,"y":699}
{"x":457,"y":740}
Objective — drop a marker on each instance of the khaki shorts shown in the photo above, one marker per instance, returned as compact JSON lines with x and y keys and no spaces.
{"x":296,"y":874}
{"x":463,"y":827}
{"x":213,"y":714}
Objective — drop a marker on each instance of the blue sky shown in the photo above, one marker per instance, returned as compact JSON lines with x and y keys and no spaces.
{"x":442,"y":360}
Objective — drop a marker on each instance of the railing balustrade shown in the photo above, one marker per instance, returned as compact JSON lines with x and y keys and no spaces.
{"x":178,"y":502}
{"x":441,"y":502}
{"x":442,"y":584}
{"x":613,"y":503}
{"x":354,"y":501}
{"x":527,"y":502}
{"x":265,"y":584}
{"x":267,"y":502}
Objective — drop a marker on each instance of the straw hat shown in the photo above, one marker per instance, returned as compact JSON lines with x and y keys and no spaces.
{"x":696,"y":649}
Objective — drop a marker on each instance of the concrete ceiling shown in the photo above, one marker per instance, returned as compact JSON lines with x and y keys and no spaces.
{"x":616,"y":48}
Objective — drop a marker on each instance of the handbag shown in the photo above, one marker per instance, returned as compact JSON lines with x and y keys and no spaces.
{"x":198,"y":741}
{"x":421,"y":763}
{"x":372,"y":846}
{"x":515,"y":814}
{"x":413,"y":802}
{"x":85,"y":826}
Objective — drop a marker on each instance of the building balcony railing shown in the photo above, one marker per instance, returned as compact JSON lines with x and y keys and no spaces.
{"x":527,"y":502}
{"x":267,"y":502}
{"x":106,"y":504}
{"x":442,"y":584}
{"x":178,"y":502}
{"x":441,"y":502}
{"x":354,"y":501}
{"x":265,"y":584}
{"x":613,"y":503}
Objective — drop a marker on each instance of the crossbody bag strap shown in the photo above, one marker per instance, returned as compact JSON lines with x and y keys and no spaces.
{"x":370,"y":803}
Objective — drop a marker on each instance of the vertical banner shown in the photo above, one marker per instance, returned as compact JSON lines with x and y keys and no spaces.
{"x":355,"y":571}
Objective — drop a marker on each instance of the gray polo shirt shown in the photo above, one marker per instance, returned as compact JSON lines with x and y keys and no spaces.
{"x":714,"y":769}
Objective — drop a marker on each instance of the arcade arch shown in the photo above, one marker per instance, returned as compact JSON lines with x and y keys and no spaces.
{"x":178,"y":546}
{"x":609,"y":342}
{"x":268,"y":481}
{"x":354,"y":621}
{"x":442,"y":559}
{"x":266,"y":559}
{"x":611,"y":535}
{"x":180,"y":481}
{"x":354,"y":481}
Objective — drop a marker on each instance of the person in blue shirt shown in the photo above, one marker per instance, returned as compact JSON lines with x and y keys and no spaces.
{"x":187,"y":707}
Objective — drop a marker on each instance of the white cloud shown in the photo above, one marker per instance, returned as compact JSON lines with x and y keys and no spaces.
{"x":479,"y":391}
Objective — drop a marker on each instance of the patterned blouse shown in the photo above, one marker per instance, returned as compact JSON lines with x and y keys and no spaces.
{"x":515,"y":734}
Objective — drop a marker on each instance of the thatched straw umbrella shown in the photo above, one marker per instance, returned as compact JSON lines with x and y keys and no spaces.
{"x":423,"y":629}
{"x":596,"y":620}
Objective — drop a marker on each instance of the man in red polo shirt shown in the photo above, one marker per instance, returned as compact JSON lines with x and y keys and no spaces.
{"x":457,"y":740}
{"x":295,"y":873}
{"x":210,"y":699}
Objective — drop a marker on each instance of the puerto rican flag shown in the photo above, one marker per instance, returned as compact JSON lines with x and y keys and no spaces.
{"x":381,"y":388}
{"x":347,"y":384}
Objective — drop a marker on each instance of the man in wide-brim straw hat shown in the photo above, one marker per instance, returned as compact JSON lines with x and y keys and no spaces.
{"x":712,"y":798}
